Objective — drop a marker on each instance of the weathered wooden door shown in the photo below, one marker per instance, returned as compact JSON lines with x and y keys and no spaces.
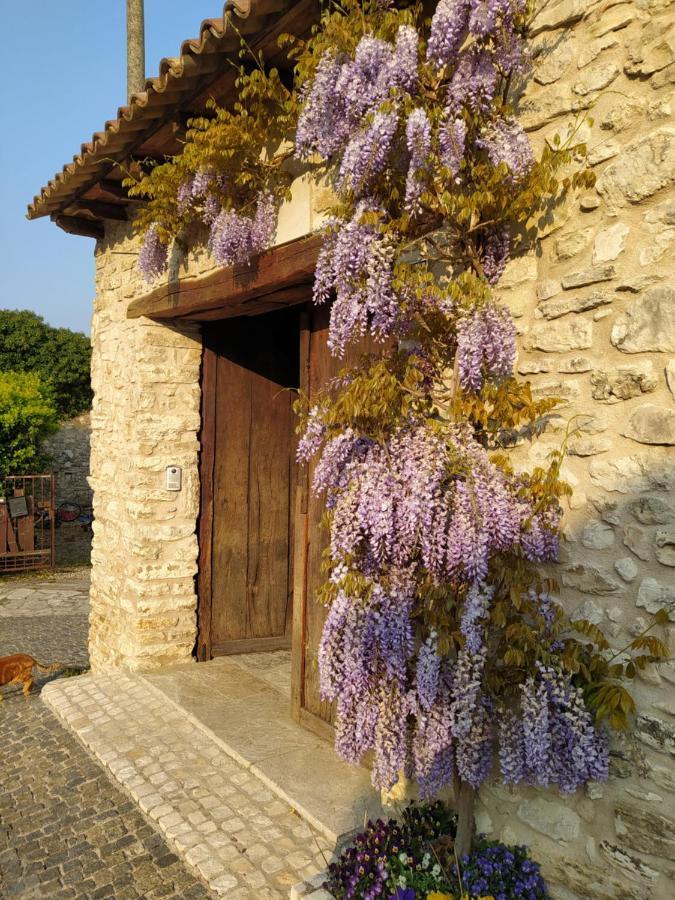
{"x":251,"y":365}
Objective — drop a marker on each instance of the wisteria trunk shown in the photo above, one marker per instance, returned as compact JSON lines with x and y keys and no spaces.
{"x":465,"y":797}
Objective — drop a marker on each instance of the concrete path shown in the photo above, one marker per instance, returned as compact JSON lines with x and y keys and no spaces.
{"x":66,"y":831}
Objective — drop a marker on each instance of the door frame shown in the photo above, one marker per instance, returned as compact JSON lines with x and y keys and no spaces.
{"x":279,"y":277}
{"x":208,"y":457}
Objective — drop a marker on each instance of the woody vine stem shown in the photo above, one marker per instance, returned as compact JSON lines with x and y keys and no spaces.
{"x":444,"y":648}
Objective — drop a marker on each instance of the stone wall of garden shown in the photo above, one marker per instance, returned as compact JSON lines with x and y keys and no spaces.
{"x":68,"y":451}
{"x":595,"y":307}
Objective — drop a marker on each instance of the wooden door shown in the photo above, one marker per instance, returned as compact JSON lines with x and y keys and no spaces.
{"x":251,"y":366}
{"x":317,"y":367}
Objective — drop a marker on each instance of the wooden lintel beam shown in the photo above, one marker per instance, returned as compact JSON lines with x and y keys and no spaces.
{"x":236,"y":290}
{"x":80,"y":225}
{"x":102,"y":209}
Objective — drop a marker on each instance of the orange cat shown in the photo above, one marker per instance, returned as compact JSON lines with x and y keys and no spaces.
{"x":18,"y":668}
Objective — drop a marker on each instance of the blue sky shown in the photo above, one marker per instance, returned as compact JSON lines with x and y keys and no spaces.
{"x":65,"y":74}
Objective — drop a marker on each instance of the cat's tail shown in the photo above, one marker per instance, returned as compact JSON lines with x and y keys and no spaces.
{"x":53,"y":668}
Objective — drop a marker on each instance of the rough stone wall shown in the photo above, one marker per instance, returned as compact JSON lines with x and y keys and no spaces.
{"x":68,"y":451}
{"x":595,"y":308}
{"x":596,"y":319}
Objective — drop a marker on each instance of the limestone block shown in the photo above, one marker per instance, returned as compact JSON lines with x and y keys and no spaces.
{"x":562,"y":337}
{"x":573,"y":242}
{"x":646,"y":58}
{"x":552,"y":62}
{"x":626,"y":568}
{"x":571,"y":879}
{"x":651,"y":424}
{"x":597,"y":535}
{"x":575,"y":364}
{"x":630,"y":864}
{"x":626,"y":474}
{"x":609,"y":20}
{"x":557,"y":15}
{"x":644,"y":168}
{"x":651,"y":511}
{"x":593,"y":49}
{"x":589,"y":446}
{"x":645,"y":831}
{"x":638,"y":540}
{"x":610,"y":242}
{"x":547,"y":289}
{"x":596,"y":79}
{"x":653,"y":596}
{"x":534,"y":366}
{"x":551,"y":818}
{"x":648,"y":324}
{"x":589,"y":612}
{"x":588,"y":580}
{"x":576,"y":304}
{"x":588,"y":276}
{"x":665,"y":546}
{"x":623,"y":383}
{"x":589,"y":202}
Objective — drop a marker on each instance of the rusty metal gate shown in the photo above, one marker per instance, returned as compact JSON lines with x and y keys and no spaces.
{"x":27,"y":521}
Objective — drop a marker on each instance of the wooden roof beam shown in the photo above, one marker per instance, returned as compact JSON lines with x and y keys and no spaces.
{"x":80,"y":225}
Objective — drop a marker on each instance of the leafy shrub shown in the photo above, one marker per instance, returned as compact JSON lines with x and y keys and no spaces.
{"x":61,"y":357}
{"x":28,"y":414}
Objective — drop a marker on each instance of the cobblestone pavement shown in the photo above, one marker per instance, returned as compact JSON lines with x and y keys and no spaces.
{"x":242,"y":838}
{"x":65,"y":829}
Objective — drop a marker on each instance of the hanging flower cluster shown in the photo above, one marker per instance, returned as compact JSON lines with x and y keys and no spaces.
{"x":417,"y":506}
{"x":233,"y":237}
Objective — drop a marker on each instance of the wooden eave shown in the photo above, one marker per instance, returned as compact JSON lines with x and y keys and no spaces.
{"x":277,"y":278}
{"x":89,"y":191}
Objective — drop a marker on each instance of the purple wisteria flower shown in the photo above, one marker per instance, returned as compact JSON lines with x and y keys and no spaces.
{"x":357,"y":263}
{"x":495,"y":253}
{"x":452,"y":141}
{"x":152,"y":258}
{"x":346,"y":90}
{"x":504,"y":141}
{"x":366,"y":154}
{"x":552,"y":739}
{"x":418,"y":139}
{"x":486,"y":346}
{"x":474,"y":82}
{"x":449,"y":28}
{"x":235,"y":238}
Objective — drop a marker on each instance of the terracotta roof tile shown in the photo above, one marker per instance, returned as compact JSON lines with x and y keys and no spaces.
{"x":180,"y":78}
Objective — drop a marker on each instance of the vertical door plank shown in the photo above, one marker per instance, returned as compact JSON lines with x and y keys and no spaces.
{"x":231,"y":497}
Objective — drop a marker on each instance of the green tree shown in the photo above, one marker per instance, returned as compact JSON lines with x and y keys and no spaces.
{"x":28,"y":415}
{"x":61,"y":357}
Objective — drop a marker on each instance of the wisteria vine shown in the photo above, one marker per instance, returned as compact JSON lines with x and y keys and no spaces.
{"x":443,"y":648}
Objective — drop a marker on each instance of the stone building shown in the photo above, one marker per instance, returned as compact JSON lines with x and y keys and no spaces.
{"x":595,"y":310}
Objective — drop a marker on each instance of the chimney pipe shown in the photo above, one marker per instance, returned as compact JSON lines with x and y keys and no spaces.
{"x":135,"y":48}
